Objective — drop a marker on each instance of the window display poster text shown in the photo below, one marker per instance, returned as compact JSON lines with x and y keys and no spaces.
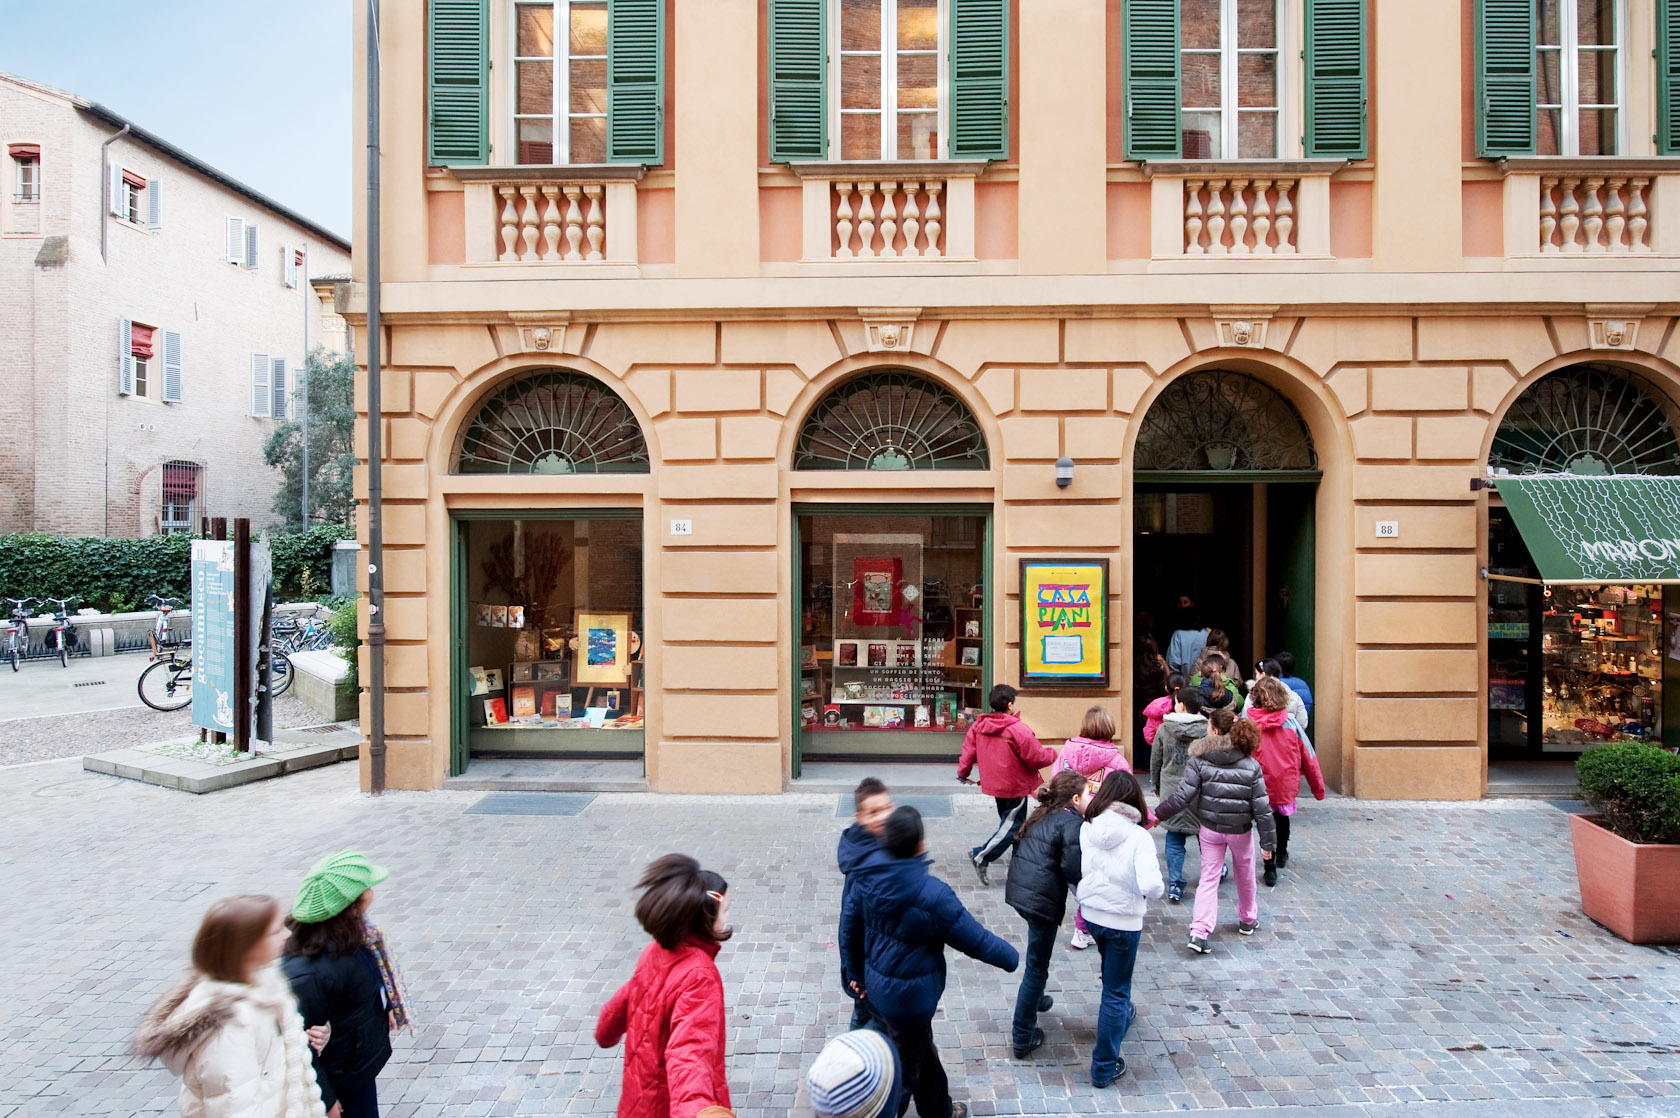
{"x":1064,"y":621}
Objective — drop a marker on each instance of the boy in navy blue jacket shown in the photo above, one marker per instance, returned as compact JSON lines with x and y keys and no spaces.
{"x":871,"y":804}
{"x":894,"y":928}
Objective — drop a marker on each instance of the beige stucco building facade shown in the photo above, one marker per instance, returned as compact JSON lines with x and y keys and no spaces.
{"x":1398,"y":303}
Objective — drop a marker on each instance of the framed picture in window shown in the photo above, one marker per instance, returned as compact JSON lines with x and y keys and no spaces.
{"x":603,"y":651}
{"x":875,"y":583}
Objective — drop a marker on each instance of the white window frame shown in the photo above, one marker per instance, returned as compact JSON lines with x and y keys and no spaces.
{"x":28,"y":180}
{"x":1569,"y":76}
{"x":889,"y":81}
{"x":133,"y":211}
{"x":560,"y":114}
{"x":1229,"y":94}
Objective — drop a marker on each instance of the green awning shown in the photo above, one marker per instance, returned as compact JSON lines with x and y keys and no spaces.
{"x":1593,"y":530}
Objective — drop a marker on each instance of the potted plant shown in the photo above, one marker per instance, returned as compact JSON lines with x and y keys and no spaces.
{"x":1627,"y":857}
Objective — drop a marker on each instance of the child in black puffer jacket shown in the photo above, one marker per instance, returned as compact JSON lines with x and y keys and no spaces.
{"x":1044,"y":867}
{"x":1225,"y":782}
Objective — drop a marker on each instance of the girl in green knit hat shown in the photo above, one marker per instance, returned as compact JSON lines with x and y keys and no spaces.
{"x":345,"y":979}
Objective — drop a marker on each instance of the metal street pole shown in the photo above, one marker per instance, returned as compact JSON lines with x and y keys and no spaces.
{"x":308,"y":297}
{"x":376,"y":449}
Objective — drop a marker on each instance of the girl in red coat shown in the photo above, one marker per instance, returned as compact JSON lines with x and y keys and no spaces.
{"x":670,"y":1014}
{"x":1284,"y":755}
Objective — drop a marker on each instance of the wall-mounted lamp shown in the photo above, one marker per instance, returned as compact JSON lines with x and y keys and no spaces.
{"x":1064,"y":472}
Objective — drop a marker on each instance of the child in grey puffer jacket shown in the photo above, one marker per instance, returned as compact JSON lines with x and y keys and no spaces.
{"x":1225,"y":782}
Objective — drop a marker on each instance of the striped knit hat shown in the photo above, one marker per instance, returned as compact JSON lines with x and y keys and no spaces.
{"x":854,"y":1076}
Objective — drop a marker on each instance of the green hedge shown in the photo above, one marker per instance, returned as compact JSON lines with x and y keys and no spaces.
{"x":1637,"y":789}
{"x":118,"y":575}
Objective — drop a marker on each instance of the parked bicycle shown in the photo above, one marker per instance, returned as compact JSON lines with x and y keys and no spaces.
{"x":161,"y":635}
{"x":168,"y":683}
{"x":63,"y":636}
{"x":17,"y":632}
{"x":288,"y":635}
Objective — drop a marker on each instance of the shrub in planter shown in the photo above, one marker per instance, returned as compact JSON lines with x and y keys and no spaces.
{"x":1627,"y":858}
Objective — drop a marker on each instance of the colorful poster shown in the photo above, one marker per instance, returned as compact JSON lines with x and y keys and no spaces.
{"x":1064,"y":621}
{"x":212,"y":621}
{"x":603,"y":649}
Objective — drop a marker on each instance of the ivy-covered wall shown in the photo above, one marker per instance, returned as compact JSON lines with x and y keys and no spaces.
{"x":117,"y":575}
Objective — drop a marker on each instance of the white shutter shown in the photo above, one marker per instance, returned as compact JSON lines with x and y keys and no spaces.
{"x":261,"y":400}
{"x":253,"y":246}
{"x":154,"y":204}
{"x":277,"y":378}
{"x":114,"y":200}
{"x":288,"y":265}
{"x":125,"y":357}
{"x":171,"y":367}
{"x":236,"y":240}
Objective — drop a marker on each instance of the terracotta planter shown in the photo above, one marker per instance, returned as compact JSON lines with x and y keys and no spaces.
{"x":1631,"y":888}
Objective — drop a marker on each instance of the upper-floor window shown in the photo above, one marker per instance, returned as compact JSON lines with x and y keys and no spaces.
{"x":26,"y":158}
{"x":1229,"y":57}
{"x":888,"y":72}
{"x":1578,"y":78}
{"x":560,"y":81}
{"x":137,"y":353}
{"x":135,"y":198}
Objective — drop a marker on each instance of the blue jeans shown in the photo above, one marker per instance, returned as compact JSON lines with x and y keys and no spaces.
{"x":1115,"y":1012}
{"x":1035,"y":971}
{"x":1175,"y":858}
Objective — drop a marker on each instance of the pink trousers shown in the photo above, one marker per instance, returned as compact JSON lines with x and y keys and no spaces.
{"x":1213,"y":847}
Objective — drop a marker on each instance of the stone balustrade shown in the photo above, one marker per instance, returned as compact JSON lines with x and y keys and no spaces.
{"x":549,"y":223}
{"x":1595,"y":213}
{"x":547,"y":216}
{"x":1239,"y":216}
{"x":1251,"y":208}
{"x":881,"y":212}
{"x":1577,"y":208}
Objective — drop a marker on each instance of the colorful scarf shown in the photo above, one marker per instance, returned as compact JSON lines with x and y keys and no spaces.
{"x":390,"y":977}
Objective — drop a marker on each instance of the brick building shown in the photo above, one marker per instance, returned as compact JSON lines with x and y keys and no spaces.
{"x":806,"y":310}
{"x":152,"y":320}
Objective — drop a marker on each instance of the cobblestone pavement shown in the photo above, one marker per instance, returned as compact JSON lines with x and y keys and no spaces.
{"x":1413,"y":954}
{"x":73,"y":735}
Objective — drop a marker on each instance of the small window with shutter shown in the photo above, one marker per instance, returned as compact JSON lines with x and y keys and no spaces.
{"x":236,"y":240}
{"x":125,"y":357}
{"x":253,"y":247}
{"x":172,"y":387}
{"x":26,"y":159}
{"x":154,"y":204}
{"x":288,"y":265}
{"x":262,"y":398}
{"x":279,"y":386}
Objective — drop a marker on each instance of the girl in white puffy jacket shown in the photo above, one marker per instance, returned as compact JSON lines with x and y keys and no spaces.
{"x":231,"y":1032}
{"x":1118,"y":875}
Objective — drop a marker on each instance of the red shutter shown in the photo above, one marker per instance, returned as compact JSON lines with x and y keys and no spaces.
{"x":138,"y":182}
{"x":142,"y":343}
{"x":25,"y":151}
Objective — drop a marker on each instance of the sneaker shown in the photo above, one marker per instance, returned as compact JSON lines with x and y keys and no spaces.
{"x":1045,"y":1003}
{"x":979,"y":868}
{"x":1225,"y":872}
{"x":1175,"y":893}
{"x":959,"y":1110}
{"x":1118,"y":1072}
{"x":1198,"y":945}
{"x":1282,"y":859}
{"x":1246,"y":927}
{"x":1037,"y":1042}
{"x":1081,"y":940}
{"x":1270,"y":875}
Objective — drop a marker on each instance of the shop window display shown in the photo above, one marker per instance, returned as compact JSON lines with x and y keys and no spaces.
{"x":893,"y":632}
{"x":554,"y":636}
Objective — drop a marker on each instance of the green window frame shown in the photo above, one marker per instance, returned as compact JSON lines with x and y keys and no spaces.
{"x":1335,"y":124}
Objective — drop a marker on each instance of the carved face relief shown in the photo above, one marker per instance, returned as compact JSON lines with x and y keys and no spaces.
{"x":541,"y":337}
{"x":1242,"y":332}
{"x":889,"y":337}
{"x":1615,"y":333}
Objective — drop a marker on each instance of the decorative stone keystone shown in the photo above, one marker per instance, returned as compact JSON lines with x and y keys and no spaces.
{"x":888,"y":329}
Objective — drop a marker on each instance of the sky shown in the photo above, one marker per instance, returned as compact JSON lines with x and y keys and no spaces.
{"x":258,"y":89}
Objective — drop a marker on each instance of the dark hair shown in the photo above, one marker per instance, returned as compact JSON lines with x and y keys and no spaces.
{"x":1191,"y":697}
{"x":1270,"y":666}
{"x":1146,"y":641}
{"x":1176,"y":682}
{"x":1217,"y":638}
{"x":230,"y":929}
{"x":1211,"y":667}
{"x":1002,"y":695}
{"x":1120,"y":787}
{"x":676,"y":902}
{"x":867,"y":787}
{"x":1286,"y":661}
{"x":1270,"y":693}
{"x":1245,"y":736}
{"x":1221,"y":720}
{"x":343,"y":934}
{"x":1061,"y":790}
{"x":901,"y":835}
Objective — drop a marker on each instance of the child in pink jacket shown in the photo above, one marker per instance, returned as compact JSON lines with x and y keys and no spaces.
{"x":1161,"y":707}
{"x":1285,"y":755}
{"x":1093,"y":755}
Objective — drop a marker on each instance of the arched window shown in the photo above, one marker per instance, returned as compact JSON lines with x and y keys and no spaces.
{"x":1221,"y":420}
{"x":892,"y":419}
{"x":553,"y":421}
{"x":1588,"y":420}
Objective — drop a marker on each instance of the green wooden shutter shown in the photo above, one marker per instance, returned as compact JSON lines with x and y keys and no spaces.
{"x":636,"y":81}
{"x":1668,"y":77}
{"x":1335,"y":80}
{"x":458,"y":82}
{"x":979,"y":96}
{"x":1149,"y":58}
{"x":798,"y":80}
{"x":1505,"y":65}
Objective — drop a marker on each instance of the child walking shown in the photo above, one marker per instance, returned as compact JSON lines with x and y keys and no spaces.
{"x":1044,"y":868}
{"x":1180,"y":730}
{"x":871,"y":804}
{"x":670,"y":1014}
{"x":1158,"y":709}
{"x":1093,"y":755}
{"x":1223,"y":772}
{"x":1010,"y":757}
{"x":1119,"y":876}
{"x":1284,"y":755}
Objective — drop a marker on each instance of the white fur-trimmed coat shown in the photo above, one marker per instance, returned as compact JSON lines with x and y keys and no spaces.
{"x":239,"y":1050}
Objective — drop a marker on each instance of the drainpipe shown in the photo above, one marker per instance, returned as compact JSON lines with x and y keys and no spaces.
{"x":105,"y":189}
{"x":376,"y":449}
{"x":308,"y":297}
